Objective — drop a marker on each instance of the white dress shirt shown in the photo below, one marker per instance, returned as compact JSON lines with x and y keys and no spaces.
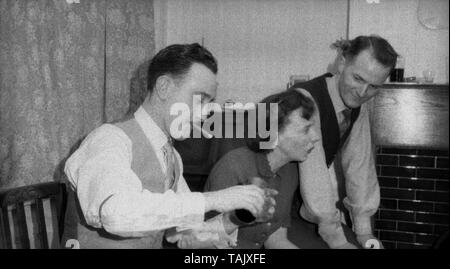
{"x":112,"y":196}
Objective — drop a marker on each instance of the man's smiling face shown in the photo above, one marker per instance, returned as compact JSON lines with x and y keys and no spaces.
{"x":361,"y":78}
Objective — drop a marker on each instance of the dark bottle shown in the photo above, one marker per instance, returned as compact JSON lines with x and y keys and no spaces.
{"x":398,"y":73}
{"x":244,"y":216}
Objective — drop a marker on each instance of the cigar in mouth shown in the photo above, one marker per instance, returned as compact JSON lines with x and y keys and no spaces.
{"x":205,"y":133}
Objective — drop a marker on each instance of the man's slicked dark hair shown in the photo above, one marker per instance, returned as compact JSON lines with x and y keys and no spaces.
{"x":176,"y":60}
{"x":287,"y":101}
{"x":383,"y":52}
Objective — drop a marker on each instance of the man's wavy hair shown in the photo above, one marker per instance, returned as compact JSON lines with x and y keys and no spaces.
{"x":288,"y":101}
{"x":382,"y":51}
{"x":176,"y":60}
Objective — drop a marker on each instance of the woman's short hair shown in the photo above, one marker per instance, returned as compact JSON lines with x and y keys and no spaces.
{"x":288,"y":101}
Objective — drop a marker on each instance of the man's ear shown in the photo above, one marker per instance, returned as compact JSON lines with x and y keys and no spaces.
{"x":162,"y":87}
{"x":340,"y":62}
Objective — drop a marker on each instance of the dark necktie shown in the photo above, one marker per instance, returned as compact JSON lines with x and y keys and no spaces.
{"x":344,"y":120}
{"x":169,"y":160}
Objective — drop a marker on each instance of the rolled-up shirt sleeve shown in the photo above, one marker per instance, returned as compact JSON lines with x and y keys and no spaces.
{"x":358,"y":163}
{"x":112,"y":196}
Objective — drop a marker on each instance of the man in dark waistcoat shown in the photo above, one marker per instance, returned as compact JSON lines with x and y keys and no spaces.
{"x":343,"y":123}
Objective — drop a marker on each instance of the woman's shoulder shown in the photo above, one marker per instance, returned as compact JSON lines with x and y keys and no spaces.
{"x":239,"y":155}
{"x":239,"y":159}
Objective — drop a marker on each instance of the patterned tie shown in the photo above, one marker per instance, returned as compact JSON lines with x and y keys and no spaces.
{"x":344,"y":119}
{"x":169,"y":160}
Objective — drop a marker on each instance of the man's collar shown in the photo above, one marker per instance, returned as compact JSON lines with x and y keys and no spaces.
{"x":333,"y":91}
{"x":151,"y":130}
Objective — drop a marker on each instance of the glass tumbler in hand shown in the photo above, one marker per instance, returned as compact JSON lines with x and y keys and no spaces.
{"x":242,"y":217}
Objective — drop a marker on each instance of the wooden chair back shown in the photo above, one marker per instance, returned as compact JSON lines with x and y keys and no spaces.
{"x":32,"y":216}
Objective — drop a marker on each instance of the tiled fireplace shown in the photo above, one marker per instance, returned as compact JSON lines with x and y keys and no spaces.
{"x":414,"y":209}
{"x":410,"y":125}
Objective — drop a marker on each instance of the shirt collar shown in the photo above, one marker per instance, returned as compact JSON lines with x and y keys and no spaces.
{"x":263,"y":166}
{"x":332,"y":85}
{"x":151,"y":130}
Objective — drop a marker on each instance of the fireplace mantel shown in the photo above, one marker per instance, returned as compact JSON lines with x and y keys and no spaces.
{"x":411,"y":115}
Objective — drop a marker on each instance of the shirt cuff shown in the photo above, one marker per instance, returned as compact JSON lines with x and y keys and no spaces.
{"x":194,"y":206}
{"x":210,"y":232}
{"x":225,"y":240}
{"x":362,"y":225}
{"x":332,"y":234}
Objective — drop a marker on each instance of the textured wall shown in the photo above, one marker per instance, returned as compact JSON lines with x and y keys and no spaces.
{"x":52,"y":77}
{"x":397,"y":21}
{"x":259,"y":43}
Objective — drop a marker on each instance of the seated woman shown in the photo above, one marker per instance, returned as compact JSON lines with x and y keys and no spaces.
{"x":295,"y":140}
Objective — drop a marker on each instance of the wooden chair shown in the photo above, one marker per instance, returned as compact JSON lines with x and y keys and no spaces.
{"x":30,"y":216}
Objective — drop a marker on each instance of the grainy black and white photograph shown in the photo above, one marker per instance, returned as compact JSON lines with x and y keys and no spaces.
{"x":224,"y":124}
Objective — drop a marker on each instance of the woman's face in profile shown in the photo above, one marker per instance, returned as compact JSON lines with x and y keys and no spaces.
{"x":297,"y":137}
